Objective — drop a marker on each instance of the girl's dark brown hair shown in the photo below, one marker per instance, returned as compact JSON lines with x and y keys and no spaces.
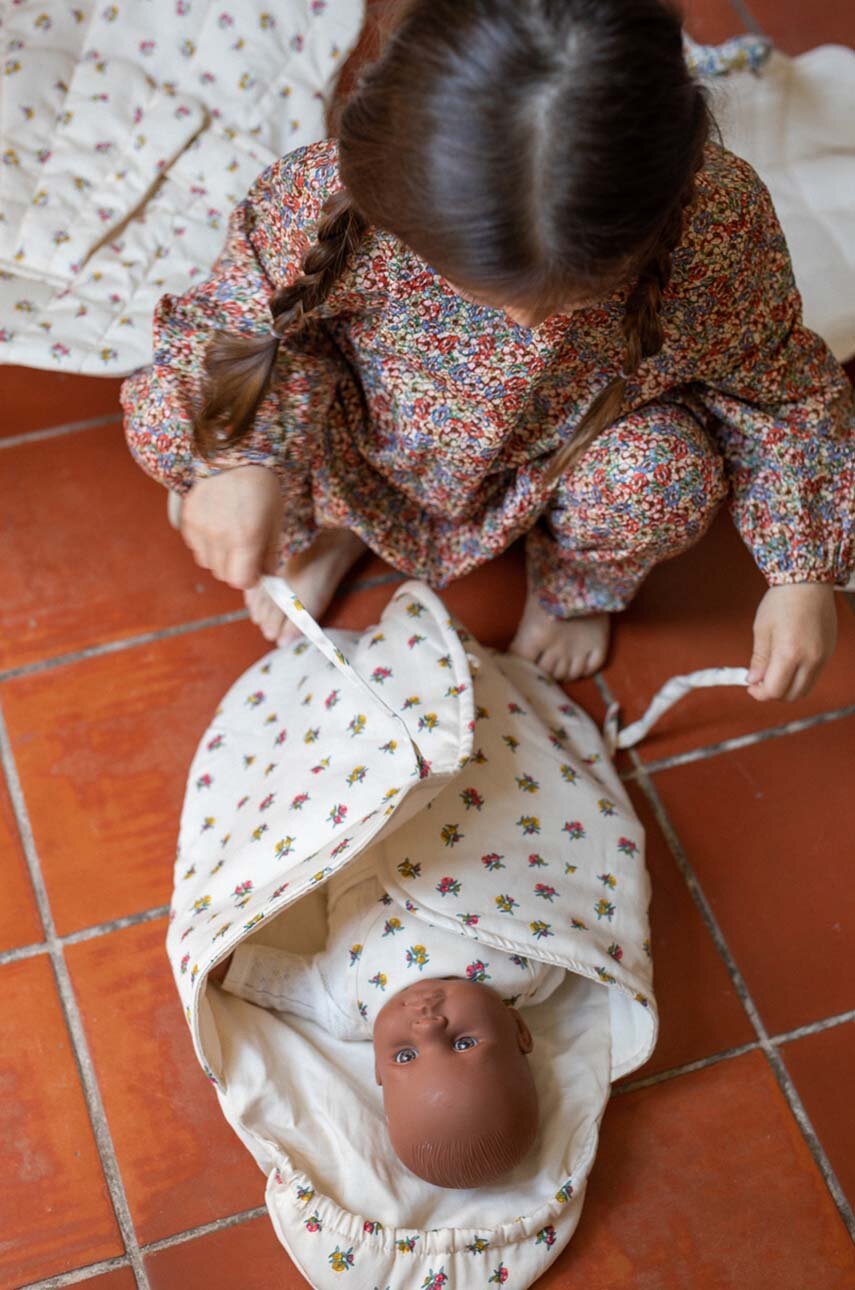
{"x":527,"y":150}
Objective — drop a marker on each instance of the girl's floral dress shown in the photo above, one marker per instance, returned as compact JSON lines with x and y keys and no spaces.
{"x":426,"y":423}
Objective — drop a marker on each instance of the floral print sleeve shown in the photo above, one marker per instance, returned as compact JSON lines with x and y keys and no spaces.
{"x":268,"y":235}
{"x":784,"y":415}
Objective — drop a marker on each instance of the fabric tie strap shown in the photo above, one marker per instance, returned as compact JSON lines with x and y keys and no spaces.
{"x":670,"y":693}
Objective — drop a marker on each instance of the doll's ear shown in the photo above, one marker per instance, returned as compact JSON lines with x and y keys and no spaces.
{"x":377,"y":1078}
{"x":524,"y":1039}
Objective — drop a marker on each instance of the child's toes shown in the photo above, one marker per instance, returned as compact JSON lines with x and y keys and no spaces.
{"x":271,"y":624}
{"x":264,"y":613}
{"x":596,"y":659}
{"x":528,"y":643}
{"x":554,"y":662}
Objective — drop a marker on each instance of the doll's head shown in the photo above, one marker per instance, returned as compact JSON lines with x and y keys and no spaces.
{"x":460,"y":1102}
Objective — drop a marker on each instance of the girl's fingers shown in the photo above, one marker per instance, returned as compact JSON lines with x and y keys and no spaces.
{"x":780,"y":675}
{"x":200,"y":551}
{"x":759,"y":658}
{"x":804,"y":681}
{"x":241,"y":567}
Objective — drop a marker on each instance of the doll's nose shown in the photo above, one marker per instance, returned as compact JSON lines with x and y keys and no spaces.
{"x":424,"y":999}
{"x":427,"y":1021}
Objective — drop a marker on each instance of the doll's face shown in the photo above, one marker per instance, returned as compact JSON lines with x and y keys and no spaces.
{"x":432,"y":1023}
{"x":446,"y":1050}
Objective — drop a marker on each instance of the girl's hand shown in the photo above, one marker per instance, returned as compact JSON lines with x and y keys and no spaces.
{"x":231,"y":522}
{"x":795,"y":629}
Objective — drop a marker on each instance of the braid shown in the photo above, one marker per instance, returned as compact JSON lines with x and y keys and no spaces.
{"x":642,"y":331}
{"x":239,"y":368}
{"x":642,"y":325}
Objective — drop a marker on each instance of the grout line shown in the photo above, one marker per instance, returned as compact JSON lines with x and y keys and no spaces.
{"x":85,"y":934}
{"x":54,"y":432}
{"x":115,"y":925}
{"x":771,"y":1053}
{"x":739,"y":741}
{"x":811,"y":1137}
{"x":23,"y":952}
{"x":77,"y":1275}
{"x":164,"y":633}
{"x":647,"y":1081}
{"x":128,"y":642}
{"x":814,"y":1028}
{"x":83,"y":1058}
{"x":216,"y":1225}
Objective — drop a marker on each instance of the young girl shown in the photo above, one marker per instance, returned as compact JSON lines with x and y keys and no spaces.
{"x":521,"y":293}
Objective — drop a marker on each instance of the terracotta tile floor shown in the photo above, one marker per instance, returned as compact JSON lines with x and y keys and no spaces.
{"x":727,"y":1162}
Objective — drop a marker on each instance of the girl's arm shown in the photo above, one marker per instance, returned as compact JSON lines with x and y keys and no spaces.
{"x":268,"y":235}
{"x":785,"y":424}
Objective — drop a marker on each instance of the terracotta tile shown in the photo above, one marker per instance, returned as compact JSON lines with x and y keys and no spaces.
{"x":35,"y":400}
{"x":120,"y":1279}
{"x":706,"y":1180}
{"x":89,"y":555}
{"x":181,"y":1164}
{"x":56,"y":1208}
{"x":19,"y":918}
{"x":695,"y":612}
{"x":795,"y":26}
{"x":710,"y":21}
{"x":821,"y":1066}
{"x":488,"y":601}
{"x":103,"y":748}
{"x":247,"y":1255}
{"x":767,"y":829}
{"x":699,"y":1010}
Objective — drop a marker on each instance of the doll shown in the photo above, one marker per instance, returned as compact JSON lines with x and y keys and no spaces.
{"x":450,"y":1049}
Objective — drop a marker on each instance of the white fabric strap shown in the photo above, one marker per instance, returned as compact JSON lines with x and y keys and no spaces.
{"x":670,"y":693}
{"x":280,"y":592}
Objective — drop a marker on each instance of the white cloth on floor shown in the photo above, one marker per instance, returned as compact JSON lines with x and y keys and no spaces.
{"x":487,"y":808}
{"x":794,"y":124}
{"x":129,"y":131}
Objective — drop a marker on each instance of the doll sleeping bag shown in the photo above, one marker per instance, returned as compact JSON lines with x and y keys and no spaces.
{"x":484,"y":805}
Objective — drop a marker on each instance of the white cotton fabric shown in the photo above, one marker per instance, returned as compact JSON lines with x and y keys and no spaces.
{"x":128,"y":132}
{"x":794,"y":123}
{"x":485,"y":807}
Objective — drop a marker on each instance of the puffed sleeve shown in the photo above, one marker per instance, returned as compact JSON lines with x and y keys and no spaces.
{"x":784,"y":414}
{"x":268,"y":235}
{"x":283,"y":982}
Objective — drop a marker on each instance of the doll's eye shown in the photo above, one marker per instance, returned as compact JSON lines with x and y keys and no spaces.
{"x":465,"y":1041}
{"x":404,"y":1055}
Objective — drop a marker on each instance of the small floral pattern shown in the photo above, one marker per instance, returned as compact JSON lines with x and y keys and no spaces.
{"x":130,"y":130}
{"x":402,"y":905}
{"x":426,"y":423}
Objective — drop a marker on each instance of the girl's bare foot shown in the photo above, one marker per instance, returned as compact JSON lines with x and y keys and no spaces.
{"x":313,"y":575}
{"x":565,"y":648}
